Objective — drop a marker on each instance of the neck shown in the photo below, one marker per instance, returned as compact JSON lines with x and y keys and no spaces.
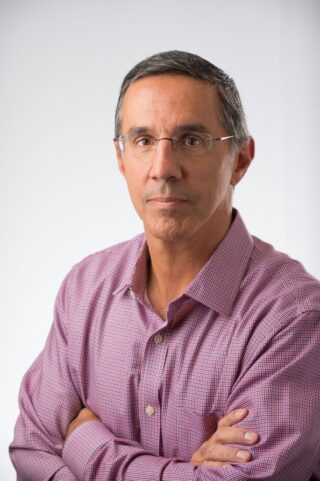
{"x":174,"y":264}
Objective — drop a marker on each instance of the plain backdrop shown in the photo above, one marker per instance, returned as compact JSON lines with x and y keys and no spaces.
{"x":61,"y":197}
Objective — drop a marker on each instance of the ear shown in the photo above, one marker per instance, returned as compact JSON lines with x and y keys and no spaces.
{"x":242,"y":161}
{"x":121,"y":166}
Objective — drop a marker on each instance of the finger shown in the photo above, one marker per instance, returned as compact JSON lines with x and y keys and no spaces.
{"x":233,"y":417}
{"x":218,"y":452}
{"x":234,"y":435}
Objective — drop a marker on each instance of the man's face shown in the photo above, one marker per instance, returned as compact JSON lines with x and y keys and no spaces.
{"x":178,"y":196}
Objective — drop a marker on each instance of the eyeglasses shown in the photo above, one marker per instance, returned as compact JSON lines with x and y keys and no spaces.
{"x":188,"y":144}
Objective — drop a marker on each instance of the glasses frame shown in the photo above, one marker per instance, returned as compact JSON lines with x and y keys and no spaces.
{"x":122,"y":140}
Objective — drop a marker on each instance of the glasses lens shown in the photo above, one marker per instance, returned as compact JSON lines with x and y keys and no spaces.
{"x":140,"y":146}
{"x":193,"y":144}
{"x":187,"y":144}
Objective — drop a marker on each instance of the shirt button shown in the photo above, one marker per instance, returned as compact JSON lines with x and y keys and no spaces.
{"x":158,"y":338}
{"x":149,"y":410}
{"x":132,"y":294}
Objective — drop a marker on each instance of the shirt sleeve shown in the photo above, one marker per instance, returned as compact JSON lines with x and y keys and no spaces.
{"x":48,"y":402}
{"x":280,"y":385}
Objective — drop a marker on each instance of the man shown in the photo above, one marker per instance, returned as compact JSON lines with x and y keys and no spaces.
{"x":157,"y":339}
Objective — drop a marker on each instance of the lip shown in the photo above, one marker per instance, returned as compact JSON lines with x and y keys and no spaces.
{"x":167,"y":199}
{"x":167,"y":202}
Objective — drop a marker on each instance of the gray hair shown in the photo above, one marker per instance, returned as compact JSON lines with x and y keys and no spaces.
{"x":232,"y":115}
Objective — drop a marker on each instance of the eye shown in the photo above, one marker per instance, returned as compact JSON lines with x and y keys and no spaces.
{"x":143,"y":141}
{"x":191,"y":140}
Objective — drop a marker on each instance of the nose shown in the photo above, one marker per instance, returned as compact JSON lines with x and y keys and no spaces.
{"x":165,"y":165}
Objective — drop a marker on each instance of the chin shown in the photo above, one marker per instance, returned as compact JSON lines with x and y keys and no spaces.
{"x":169,"y":230}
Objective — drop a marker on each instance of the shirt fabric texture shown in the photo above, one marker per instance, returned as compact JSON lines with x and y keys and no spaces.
{"x":245,"y":333}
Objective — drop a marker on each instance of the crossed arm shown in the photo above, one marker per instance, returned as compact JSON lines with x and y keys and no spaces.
{"x":214,"y":451}
{"x":93,"y":452}
{"x":49,"y":401}
{"x":288,"y":441}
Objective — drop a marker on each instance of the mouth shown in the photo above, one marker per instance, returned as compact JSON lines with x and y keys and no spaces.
{"x":167,"y":202}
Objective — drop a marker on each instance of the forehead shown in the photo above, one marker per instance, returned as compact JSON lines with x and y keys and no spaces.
{"x":166,"y":101}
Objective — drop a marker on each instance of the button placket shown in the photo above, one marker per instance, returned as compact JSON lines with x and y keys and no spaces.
{"x":150,"y":383}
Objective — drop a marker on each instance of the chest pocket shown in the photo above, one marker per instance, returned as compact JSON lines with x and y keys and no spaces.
{"x":192,"y":430}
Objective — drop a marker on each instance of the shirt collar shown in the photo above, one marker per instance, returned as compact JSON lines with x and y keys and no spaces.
{"x":218,"y":282}
{"x":134,"y":275}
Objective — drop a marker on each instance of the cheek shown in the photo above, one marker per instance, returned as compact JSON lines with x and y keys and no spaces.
{"x":214,"y":185}
{"x":135,"y":187}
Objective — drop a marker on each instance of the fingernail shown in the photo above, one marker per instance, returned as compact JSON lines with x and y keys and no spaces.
{"x":242,"y":455}
{"x":250,"y":436}
{"x":240,"y":412}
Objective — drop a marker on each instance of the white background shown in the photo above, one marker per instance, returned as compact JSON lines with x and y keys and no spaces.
{"x":61,"y":197}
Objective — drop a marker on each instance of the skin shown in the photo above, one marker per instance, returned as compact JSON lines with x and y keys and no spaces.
{"x":186,"y":206}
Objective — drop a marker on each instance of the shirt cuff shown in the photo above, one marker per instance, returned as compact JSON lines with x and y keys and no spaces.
{"x":85,"y":441}
{"x":154,"y":468}
{"x":82,"y":444}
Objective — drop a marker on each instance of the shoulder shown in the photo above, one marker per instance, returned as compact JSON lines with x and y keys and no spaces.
{"x":109,"y":267}
{"x":107,"y":260}
{"x":284,"y":278}
{"x":278,"y":305}
{"x":276,"y":290}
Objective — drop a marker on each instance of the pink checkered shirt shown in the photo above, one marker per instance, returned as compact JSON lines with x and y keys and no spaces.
{"x":246,"y":333}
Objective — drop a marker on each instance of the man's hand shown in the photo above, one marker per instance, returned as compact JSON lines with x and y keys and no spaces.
{"x":213,"y":452}
{"x":84,"y":415}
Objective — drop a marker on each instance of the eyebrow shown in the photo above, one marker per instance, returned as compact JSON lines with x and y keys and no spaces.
{"x":138,"y":130}
{"x":197,"y":127}
{"x":192,"y":127}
